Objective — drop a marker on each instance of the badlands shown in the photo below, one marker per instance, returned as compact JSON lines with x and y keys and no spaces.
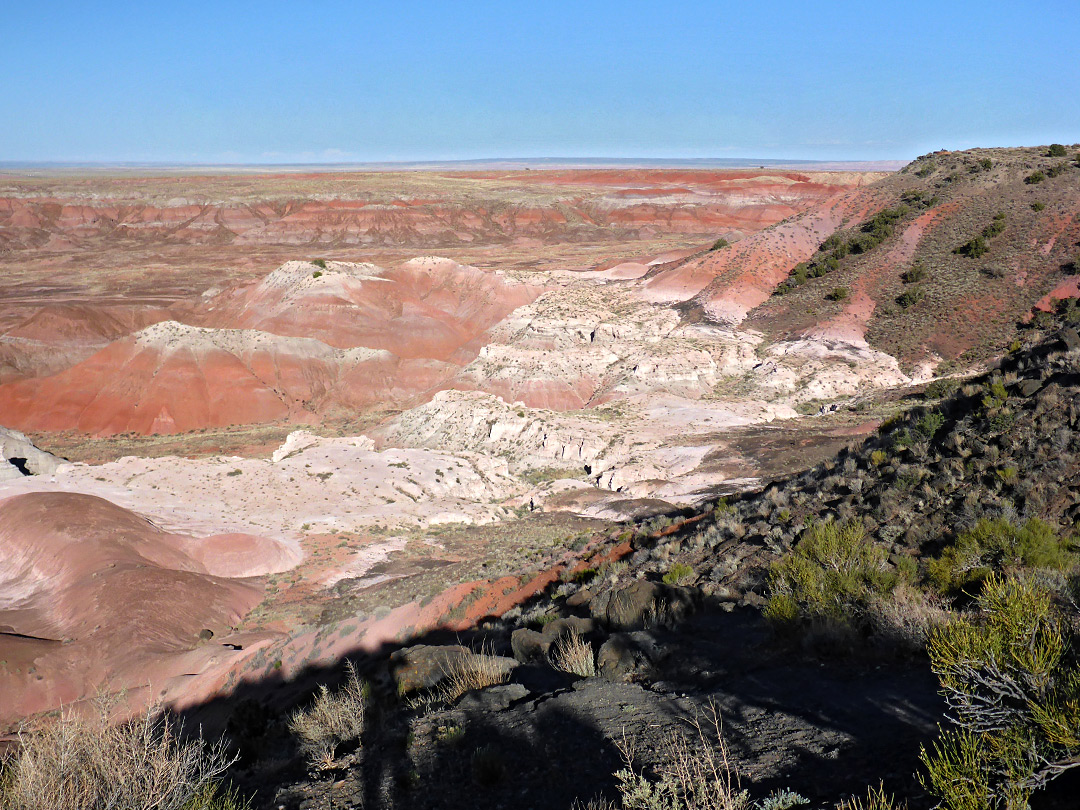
{"x":255,"y":423}
{"x":320,"y":393}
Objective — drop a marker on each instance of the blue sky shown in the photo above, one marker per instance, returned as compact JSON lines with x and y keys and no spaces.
{"x":355,"y":81}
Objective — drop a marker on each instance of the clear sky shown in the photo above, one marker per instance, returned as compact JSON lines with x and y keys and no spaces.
{"x":315,"y":81}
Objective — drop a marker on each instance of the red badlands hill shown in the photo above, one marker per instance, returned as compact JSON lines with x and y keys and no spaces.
{"x":83,"y":584}
{"x":428,"y":307}
{"x":371,"y":337}
{"x":917,"y":292}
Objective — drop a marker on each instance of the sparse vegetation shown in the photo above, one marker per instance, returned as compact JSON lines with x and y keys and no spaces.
{"x":80,"y":763}
{"x":571,"y":653}
{"x":696,"y":775}
{"x":1035,"y":178}
{"x":829,"y":576}
{"x":838,"y":294}
{"x":332,"y":719}
{"x":998,"y":545}
{"x":1012,"y":684}
{"x":720,"y":243}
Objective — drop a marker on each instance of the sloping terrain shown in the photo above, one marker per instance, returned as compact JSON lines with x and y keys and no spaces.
{"x":671,"y":621}
{"x":82,"y":586}
{"x":533,"y":408}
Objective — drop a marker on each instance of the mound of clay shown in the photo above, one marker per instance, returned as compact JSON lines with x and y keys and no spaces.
{"x":427,"y":308}
{"x":90,"y":593}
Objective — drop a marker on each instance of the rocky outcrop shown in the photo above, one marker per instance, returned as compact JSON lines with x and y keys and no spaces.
{"x":19,"y":457}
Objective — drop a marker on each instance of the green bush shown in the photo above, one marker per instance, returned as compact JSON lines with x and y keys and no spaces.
{"x":915,"y":273}
{"x":680,"y":574}
{"x":939,"y":389}
{"x":997,"y":395}
{"x":998,"y":545}
{"x":1012,"y":690}
{"x":720,"y":243}
{"x":1038,"y":206}
{"x":320,"y":263}
{"x":930,"y":424}
{"x":1034,"y":178}
{"x":831,"y":574}
{"x":1056,"y":150}
{"x":838,"y":294}
{"x":974,"y":249}
{"x":910,"y":298}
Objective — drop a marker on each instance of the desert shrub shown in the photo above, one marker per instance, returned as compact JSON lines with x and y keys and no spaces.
{"x":80,"y":763}
{"x":1012,"y":689}
{"x":930,"y":424}
{"x":320,"y":263}
{"x":1056,"y":169}
{"x":838,"y":294}
{"x":875,"y":799}
{"x":782,"y":799}
{"x":906,"y":616}
{"x":997,"y":395}
{"x":1038,"y":206}
{"x":926,"y":170}
{"x":939,"y":389}
{"x":720,"y":243}
{"x":996,"y":227}
{"x":1034,"y":178}
{"x":998,"y":545}
{"x":915,"y":273}
{"x":317,"y":274}
{"x":573,"y":654}
{"x":878,"y":457}
{"x":696,"y":775}
{"x":1056,"y":150}
{"x":974,"y":249}
{"x":830,"y":575}
{"x":679,"y":574}
{"x":909,"y":298}
{"x":333,"y":718}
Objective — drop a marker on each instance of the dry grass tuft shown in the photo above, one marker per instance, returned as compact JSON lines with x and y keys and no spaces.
{"x":475,"y":672}
{"x":875,"y":799}
{"x":573,"y":654}
{"x":81,"y":763}
{"x":332,"y":719}
{"x":697,"y":774}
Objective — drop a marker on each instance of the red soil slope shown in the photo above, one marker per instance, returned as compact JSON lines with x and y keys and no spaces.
{"x":92,"y":594}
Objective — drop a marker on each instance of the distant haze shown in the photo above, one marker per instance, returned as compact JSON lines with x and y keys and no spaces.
{"x":347,"y":83}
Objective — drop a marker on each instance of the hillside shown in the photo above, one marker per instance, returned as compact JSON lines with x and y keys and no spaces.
{"x":673,"y":625}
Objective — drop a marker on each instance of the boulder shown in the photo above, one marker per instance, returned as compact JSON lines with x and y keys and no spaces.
{"x":644,"y":604}
{"x":1069,"y":337}
{"x":533,"y":645}
{"x":426,"y":666}
{"x":627,"y":657}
